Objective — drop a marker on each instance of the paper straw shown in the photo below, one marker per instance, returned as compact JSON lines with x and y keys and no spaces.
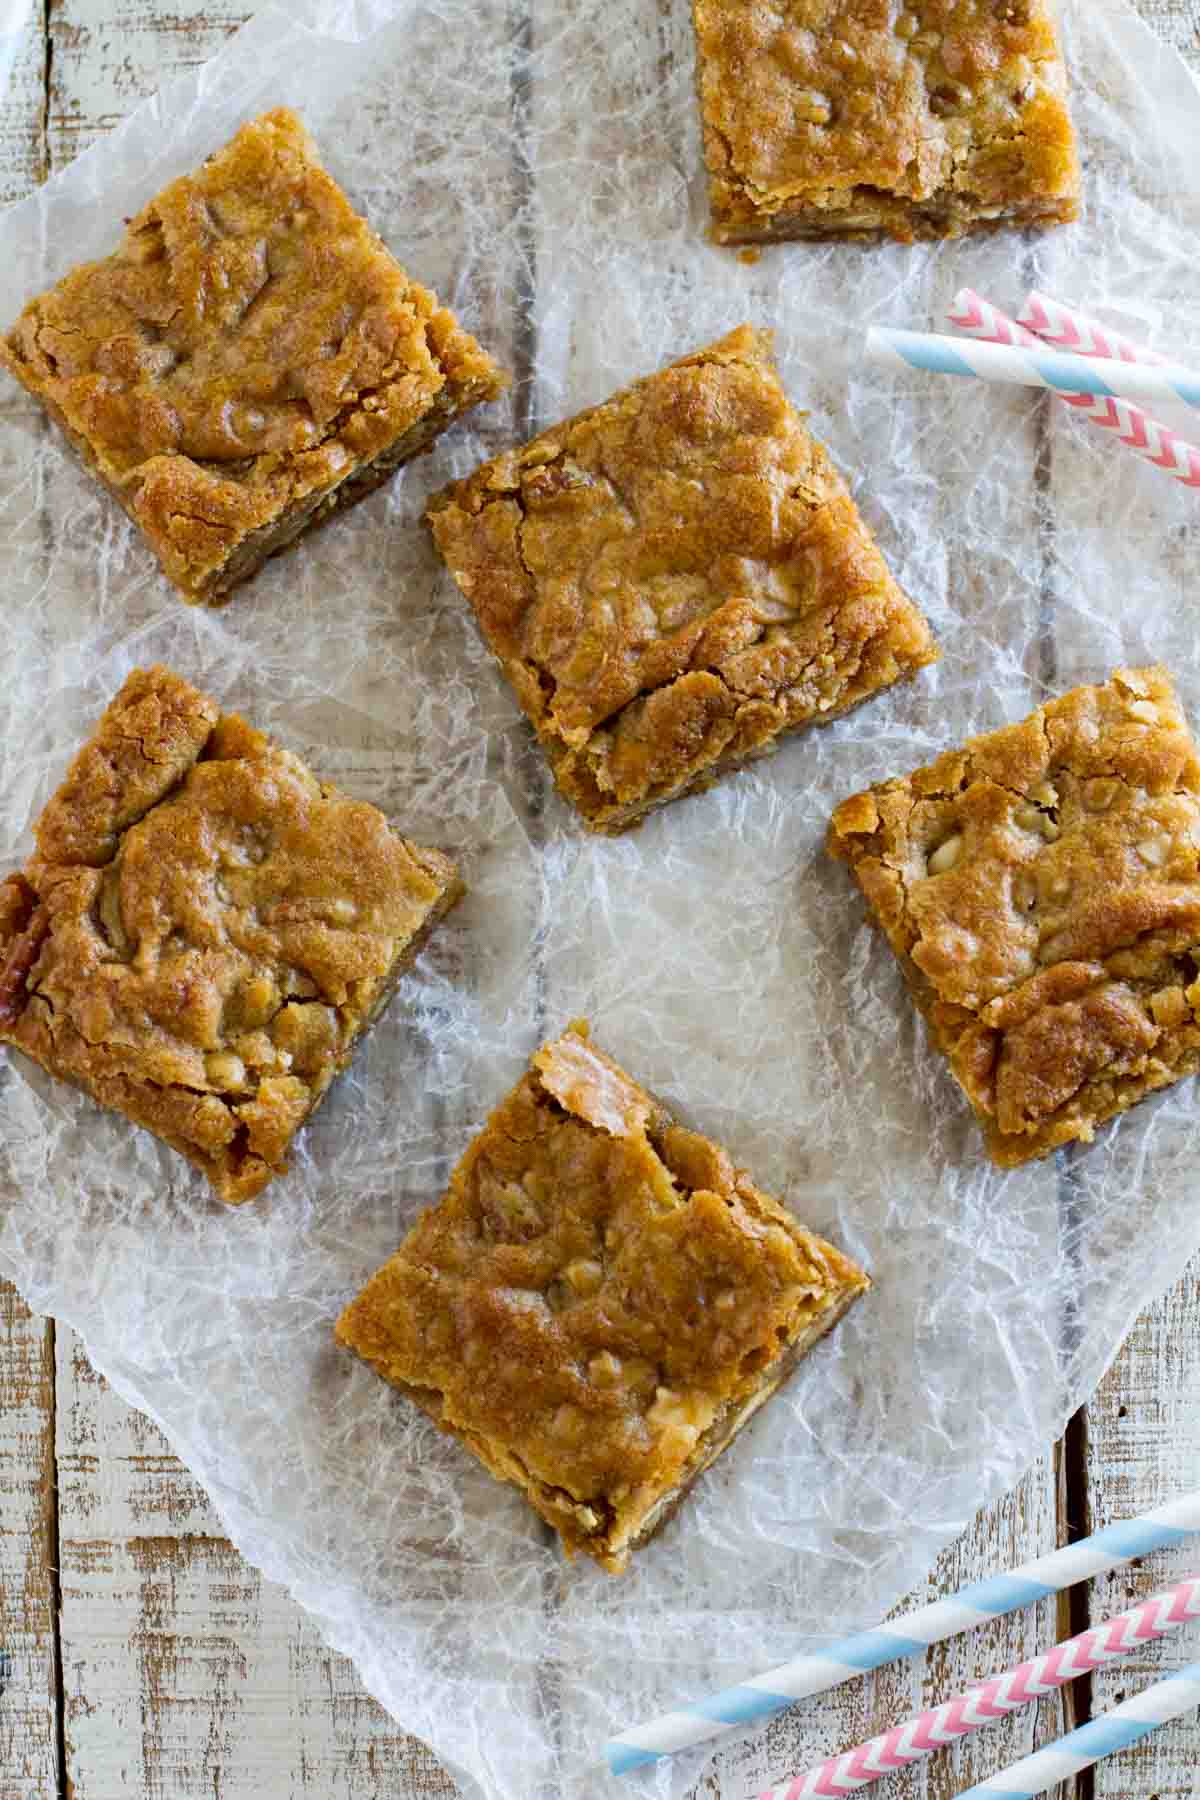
{"x":1113,"y":1730}
{"x":1044,"y":368}
{"x":1069,"y":329}
{"x":1151,"y":439}
{"x":761,"y":1696}
{"x":987,"y":1701}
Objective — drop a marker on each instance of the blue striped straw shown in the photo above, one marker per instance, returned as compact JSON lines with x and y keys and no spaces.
{"x":1113,"y":1730}
{"x":762,"y":1696}
{"x":1142,"y":382}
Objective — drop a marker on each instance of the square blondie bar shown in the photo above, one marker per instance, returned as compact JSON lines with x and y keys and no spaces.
{"x":674,"y":579}
{"x":251,"y":360}
{"x":1040,"y":889}
{"x":599,"y":1302}
{"x":856,"y":118}
{"x":206,"y":929}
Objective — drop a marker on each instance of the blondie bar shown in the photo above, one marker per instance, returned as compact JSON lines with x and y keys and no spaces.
{"x":206,"y":929}
{"x":599,"y":1303}
{"x":1040,"y":890}
{"x":674,"y":579}
{"x":855,"y":118}
{"x":251,"y":360}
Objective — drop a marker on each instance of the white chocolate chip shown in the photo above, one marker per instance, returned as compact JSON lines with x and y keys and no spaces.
{"x":1144,"y":711}
{"x":946,"y":855}
{"x":225,"y":1071}
{"x":1154,"y":851}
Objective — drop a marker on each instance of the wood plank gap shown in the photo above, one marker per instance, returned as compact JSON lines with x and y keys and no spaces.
{"x":47,"y":82}
{"x":1075,"y":1603}
{"x":54,"y":1563}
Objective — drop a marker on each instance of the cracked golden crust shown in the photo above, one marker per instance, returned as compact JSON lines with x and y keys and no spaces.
{"x":206,"y":929}
{"x":852,"y":118}
{"x":674,"y":579}
{"x":1041,"y":888}
{"x":245,"y":360}
{"x":598,"y":1300}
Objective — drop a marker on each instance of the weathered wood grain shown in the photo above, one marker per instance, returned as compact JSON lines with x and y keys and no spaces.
{"x":28,"y":1555}
{"x":1026,"y":1523}
{"x":1143,"y":1444}
{"x":29,"y":1713}
{"x":186,"y":1676}
{"x":106,"y":55}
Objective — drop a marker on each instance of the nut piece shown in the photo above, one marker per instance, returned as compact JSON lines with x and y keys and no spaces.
{"x":1099,"y":793}
{"x":584,"y":1275}
{"x":815,"y":108}
{"x":605,"y":1369}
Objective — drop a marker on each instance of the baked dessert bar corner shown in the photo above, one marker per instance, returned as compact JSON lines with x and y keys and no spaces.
{"x":841,"y":118}
{"x":1040,"y":890}
{"x":251,"y":360}
{"x":675,"y":579}
{"x":599,"y":1302}
{"x":206,"y":929}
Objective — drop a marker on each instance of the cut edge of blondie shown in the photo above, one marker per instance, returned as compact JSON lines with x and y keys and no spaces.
{"x":874,"y":215}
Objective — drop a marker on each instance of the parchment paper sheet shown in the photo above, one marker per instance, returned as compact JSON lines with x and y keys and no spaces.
{"x":539,"y":165}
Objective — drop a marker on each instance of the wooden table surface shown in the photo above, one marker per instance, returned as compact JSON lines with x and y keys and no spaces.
{"x":140,"y":1656}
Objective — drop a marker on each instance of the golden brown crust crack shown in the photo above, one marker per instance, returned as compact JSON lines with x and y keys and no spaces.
{"x":207,"y":929}
{"x":674,"y":579}
{"x":1041,"y":888}
{"x":852,"y":118}
{"x":594,"y":1299}
{"x":251,"y":358}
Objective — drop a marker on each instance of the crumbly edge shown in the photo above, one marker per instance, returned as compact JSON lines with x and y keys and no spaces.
{"x":875,"y":217}
{"x":24,"y":925}
{"x":214,"y":588}
{"x":594,"y":1526}
{"x":572,"y":766}
{"x":1094,"y":1103}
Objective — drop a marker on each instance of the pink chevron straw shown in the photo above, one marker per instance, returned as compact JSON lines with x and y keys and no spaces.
{"x":1134,"y":427}
{"x":987,"y":1701}
{"x":1069,"y":329}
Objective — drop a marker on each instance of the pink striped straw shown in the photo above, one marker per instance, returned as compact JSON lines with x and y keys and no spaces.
{"x":986,"y":1701}
{"x":1133,"y":426}
{"x":1069,"y":329}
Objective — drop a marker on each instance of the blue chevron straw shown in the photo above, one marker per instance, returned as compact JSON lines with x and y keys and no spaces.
{"x":761,"y":1696}
{"x":1113,"y":1730}
{"x":1143,"y":382}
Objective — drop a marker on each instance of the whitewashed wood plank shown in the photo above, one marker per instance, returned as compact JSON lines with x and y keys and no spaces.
{"x":106,"y":55}
{"x":29,"y":1721}
{"x":186,"y":1676}
{"x":1143,"y":1445}
{"x":1179,"y":22}
{"x":28,"y":1591}
{"x":1026,"y":1523}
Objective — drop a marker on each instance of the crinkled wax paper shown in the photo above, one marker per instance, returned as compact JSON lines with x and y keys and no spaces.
{"x":538,"y":162}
